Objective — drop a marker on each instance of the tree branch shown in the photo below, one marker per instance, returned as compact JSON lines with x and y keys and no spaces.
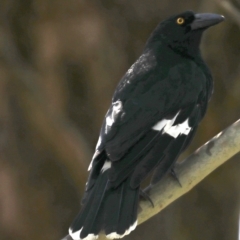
{"x":190,"y":172}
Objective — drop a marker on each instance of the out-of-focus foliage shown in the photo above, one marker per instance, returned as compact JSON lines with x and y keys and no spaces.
{"x":59,"y":64}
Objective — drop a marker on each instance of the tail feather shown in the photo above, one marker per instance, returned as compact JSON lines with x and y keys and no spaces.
{"x":83,"y":225}
{"x":128,"y":215}
{"x":90,"y":225}
{"x":127,"y":211}
{"x":108,"y":209}
{"x":79,"y":220}
{"x":113,"y":204}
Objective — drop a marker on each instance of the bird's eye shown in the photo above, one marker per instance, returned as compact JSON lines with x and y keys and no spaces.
{"x":180,"y":21}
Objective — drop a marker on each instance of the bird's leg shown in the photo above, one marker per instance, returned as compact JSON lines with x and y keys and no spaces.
{"x":146,"y":197}
{"x":174,"y":175}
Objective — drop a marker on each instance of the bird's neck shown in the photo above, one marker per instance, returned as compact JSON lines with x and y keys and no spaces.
{"x":184,"y":51}
{"x":189,"y":47}
{"x":164,"y":51}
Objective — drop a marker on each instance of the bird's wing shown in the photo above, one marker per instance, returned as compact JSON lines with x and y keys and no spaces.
{"x":158,"y":148}
{"x":145,"y":118}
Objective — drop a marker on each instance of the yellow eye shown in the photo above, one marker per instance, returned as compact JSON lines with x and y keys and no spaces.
{"x":180,"y":21}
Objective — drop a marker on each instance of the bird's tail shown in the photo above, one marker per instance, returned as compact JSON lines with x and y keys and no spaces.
{"x":108,"y":209}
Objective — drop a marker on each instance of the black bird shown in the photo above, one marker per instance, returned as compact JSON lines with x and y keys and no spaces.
{"x":154,"y":114}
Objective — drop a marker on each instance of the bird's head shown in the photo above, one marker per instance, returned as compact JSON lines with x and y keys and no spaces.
{"x":182,"y":32}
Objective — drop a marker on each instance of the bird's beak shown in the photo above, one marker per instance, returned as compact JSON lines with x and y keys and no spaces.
{"x":205,"y":20}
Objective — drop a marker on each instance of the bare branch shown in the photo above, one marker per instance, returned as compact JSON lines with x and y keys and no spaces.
{"x":193,"y":170}
{"x":190,"y":172}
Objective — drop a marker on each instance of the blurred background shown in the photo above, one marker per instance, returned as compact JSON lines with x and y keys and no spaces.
{"x":60,"y":62}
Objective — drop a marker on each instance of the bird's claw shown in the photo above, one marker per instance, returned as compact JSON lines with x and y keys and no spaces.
{"x":146,"y":197}
{"x":174,"y":175}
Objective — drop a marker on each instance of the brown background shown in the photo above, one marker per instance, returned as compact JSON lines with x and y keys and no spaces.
{"x":59,"y":64}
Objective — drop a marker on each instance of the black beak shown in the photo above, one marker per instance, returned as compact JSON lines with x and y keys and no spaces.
{"x":205,"y":20}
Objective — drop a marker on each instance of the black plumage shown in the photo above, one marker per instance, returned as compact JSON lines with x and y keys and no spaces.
{"x":155,"y":111}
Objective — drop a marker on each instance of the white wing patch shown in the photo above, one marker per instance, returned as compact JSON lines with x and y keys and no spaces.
{"x":106,"y":166}
{"x":96,"y":152}
{"x":114,"y":235}
{"x":167,"y":126}
{"x":76,"y":235}
{"x":165,"y":123}
{"x":112,"y":114}
{"x":160,"y":125}
{"x":182,"y":128}
{"x":109,"y":121}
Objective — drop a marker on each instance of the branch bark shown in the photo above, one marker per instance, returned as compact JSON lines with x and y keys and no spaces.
{"x":190,"y":172}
